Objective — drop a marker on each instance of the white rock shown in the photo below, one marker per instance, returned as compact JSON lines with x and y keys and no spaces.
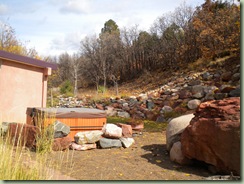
{"x":177,"y":156}
{"x":83,"y":147}
{"x":193,"y":104}
{"x":88,"y":137}
{"x":166,"y":109}
{"x":110,"y":143}
{"x":127,"y":142}
{"x":112,"y":131}
{"x":174,"y":129}
{"x":123,"y":114}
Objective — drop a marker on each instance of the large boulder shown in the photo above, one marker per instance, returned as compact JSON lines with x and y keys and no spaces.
{"x":88,"y":137}
{"x":60,"y":129}
{"x":213,"y":135}
{"x":175,"y":128}
{"x":126,"y":130}
{"x":83,"y":147}
{"x":23,"y":134}
{"x":111,"y":131}
{"x":60,"y":144}
{"x":110,"y":143}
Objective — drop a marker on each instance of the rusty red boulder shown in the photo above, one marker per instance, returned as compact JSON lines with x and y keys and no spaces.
{"x":213,"y":135}
{"x":60,"y":144}
{"x":23,"y":134}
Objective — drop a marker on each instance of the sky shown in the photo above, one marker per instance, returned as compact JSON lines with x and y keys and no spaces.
{"x":56,"y":26}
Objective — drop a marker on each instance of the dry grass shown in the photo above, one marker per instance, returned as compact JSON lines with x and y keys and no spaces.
{"x":20,"y":163}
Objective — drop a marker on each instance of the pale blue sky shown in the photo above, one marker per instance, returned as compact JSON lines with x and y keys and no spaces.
{"x":56,"y":26}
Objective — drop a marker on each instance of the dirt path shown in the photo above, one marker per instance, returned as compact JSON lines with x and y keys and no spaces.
{"x":147,"y":159}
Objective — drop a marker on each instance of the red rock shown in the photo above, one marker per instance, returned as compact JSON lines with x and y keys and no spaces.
{"x":227,"y":89}
{"x":23,"y":134}
{"x":60,"y":144}
{"x":184,"y":94}
{"x":126,"y":130}
{"x":116,"y":105}
{"x":99,"y":106}
{"x":150,"y":115}
{"x":226,"y":76}
{"x":213,"y":135}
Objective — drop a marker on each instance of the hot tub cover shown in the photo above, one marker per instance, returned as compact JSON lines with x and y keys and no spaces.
{"x":66,"y":112}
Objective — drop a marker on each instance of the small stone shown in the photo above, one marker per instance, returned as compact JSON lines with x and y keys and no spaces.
{"x":123,"y":114}
{"x":236,"y":77}
{"x":226,"y":76}
{"x":166,"y":109}
{"x":177,"y":156}
{"x":235,"y":93}
{"x":126,"y":142}
{"x":193,"y":104}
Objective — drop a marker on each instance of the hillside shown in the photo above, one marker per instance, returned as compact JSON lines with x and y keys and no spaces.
{"x":162,"y":95}
{"x":153,"y":80}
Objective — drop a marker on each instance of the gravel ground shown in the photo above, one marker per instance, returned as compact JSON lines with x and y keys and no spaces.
{"x":146,"y":159}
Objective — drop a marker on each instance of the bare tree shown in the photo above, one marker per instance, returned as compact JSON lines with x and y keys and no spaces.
{"x":75,"y":66}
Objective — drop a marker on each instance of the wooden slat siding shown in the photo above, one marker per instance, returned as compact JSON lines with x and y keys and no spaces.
{"x":76,"y":124}
{"x":85,"y":124}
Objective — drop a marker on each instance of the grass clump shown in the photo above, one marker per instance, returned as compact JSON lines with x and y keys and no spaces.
{"x":149,"y":126}
{"x":20,"y":163}
{"x":115,"y":120}
{"x":15,"y":162}
{"x":152,"y":126}
{"x":45,"y":139}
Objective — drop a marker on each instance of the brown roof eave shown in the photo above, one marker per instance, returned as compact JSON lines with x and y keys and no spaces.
{"x":27,"y":60}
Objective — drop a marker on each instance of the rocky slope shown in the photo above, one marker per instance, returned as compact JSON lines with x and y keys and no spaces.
{"x":181,"y":93}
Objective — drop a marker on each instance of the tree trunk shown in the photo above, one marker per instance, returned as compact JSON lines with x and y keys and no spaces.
{"x":116,"y":88}
{"x":104,"y":83}
{"x":75,"y":81}
{"x":51,"y":96}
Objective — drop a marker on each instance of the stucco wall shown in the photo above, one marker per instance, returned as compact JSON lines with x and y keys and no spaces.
{"x":21,"y":86}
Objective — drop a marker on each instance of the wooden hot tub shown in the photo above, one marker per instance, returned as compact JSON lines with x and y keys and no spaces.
{"x":79,"y":119}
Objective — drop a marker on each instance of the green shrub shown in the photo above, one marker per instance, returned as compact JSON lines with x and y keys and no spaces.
{"x":66,"y":88}
{"x":172,"y":114}
{"x":101,"y":89}
{"x":45,"y":139}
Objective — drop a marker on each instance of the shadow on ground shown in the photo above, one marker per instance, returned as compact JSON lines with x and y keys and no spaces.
{"x":157,"y":154}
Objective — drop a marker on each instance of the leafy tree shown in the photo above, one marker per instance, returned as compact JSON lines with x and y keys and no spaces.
{"x":217,"y":24}
{"x":10,"y":43}
{"x":110,"y":26}
{"x":66,"y":88}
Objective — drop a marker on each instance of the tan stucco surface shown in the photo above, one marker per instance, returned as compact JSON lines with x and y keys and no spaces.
{"x":21,"y":86}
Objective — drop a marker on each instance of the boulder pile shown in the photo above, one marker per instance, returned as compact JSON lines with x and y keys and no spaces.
{"x":111,"y":136}
{"x":181,"y":95}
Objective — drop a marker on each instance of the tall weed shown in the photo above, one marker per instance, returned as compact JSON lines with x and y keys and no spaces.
{"x":19,"y":163}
